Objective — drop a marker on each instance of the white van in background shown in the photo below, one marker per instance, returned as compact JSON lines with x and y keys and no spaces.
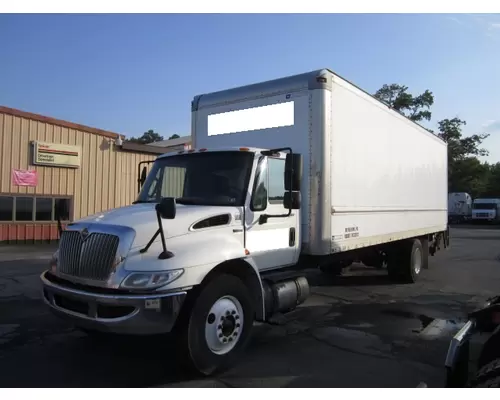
{"x":486,"y":210}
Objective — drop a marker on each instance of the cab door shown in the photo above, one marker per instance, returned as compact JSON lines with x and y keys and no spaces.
{"x":275,"y":242}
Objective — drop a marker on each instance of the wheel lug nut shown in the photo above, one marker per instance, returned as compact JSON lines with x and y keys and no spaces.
{"x":237,"y":317}
{"x":233,"y":312}
{"x":224,"y":340}
{"x":220,"y":335}
{"x":237,"y":325}
{"x":230,"y":339}
{"x":222,"y":318}
{"x":235,"y":334}
{"x":227,"y":312}
{"x":219,"y":327}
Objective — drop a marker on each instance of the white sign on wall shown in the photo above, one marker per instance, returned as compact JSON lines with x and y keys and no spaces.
{"x":56,"y":155}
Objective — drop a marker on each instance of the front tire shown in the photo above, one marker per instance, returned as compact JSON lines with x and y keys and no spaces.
{"x":217,"y":326}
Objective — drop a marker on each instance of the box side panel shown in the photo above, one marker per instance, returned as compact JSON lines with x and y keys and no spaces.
{"x":389,"y":176}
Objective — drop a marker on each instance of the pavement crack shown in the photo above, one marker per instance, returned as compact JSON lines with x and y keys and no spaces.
{"x":378,"y":356}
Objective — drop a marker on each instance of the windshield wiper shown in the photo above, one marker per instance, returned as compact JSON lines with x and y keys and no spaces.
{"x":144,"y":201}
{"x":189,"y":201}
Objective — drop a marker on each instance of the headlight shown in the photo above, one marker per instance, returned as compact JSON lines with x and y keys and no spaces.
{"x":150,"y":280}
{"x":53,"y":261}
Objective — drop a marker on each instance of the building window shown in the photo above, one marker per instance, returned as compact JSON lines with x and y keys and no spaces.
{"x":6,"y":208}
{"x":33,"y":208}
{"x":43,"y":209}
{"x":24,"y":208}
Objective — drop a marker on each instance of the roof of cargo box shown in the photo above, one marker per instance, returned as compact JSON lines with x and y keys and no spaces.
{"x":317,"y":79}
{"x":288,"y":84}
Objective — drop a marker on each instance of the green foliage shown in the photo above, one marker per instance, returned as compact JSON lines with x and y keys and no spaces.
{"x":147,"y":137}
{"x":174,"y":136}
{"x":397,"y":96}
{"x":466,"y":173}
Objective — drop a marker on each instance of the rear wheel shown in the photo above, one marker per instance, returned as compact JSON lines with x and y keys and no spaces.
{"x":217,"y":327}
{"x":406,"y":260}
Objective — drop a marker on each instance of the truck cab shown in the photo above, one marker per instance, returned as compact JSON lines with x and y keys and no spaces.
{"x":486,"y":210}
{"x":204,"y":228}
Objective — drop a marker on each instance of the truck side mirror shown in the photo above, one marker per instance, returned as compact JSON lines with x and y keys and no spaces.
{"x":292,"y":200}
{"x":144,"y":174}
{"x":167,"y":208}
{"x":293,"y":172}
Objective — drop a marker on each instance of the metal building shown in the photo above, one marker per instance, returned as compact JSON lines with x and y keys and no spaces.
{"x":43,"y":159}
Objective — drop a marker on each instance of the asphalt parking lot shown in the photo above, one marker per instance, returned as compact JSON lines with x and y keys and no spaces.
{"x":354,"y":331}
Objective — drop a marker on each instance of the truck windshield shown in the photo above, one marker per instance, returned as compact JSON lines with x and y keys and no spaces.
{"x":484,"y":206}
{"x":212,"y":178}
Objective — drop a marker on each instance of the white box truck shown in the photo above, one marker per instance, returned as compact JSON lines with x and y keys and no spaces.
{"x":298,"y":172}
{"x":486,"y":209}
{"x":459,"y":207}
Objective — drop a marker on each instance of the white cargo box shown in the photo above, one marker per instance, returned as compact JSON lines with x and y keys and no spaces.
{"x":371,"y":175}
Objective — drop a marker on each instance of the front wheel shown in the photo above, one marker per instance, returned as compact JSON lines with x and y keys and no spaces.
{"x":217,"y":327}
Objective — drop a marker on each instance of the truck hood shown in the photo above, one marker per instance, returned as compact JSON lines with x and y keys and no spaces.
{"x":142,"y":218}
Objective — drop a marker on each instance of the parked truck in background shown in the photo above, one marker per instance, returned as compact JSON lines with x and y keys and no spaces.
{"x":459,"y":207}
{"x":299,"y":172}
{"x":486,"y":210}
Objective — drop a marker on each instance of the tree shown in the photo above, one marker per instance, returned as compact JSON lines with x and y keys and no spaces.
{"x":465,"y":172}
{"x":450,"y":130}
{"x":147,"y":137}
{"x":468,"y":175}
{"x":397,"y":97}
{"x":174,"y":136}
{"x":493,"y":185}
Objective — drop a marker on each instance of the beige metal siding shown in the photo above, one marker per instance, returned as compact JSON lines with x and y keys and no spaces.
{"x":106,"y":179}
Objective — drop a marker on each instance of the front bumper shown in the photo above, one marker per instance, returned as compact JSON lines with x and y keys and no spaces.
{"x":131,"y":314}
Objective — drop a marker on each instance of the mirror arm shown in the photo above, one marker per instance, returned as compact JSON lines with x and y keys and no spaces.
{"x":264,"y":217}
{"x":142,"y":251}
{"x":165,"y":254}
{"x":139,"y":173}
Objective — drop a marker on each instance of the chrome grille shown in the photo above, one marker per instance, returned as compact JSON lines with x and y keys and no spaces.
{"x":89,"y":258}
{"x":482,"y":215}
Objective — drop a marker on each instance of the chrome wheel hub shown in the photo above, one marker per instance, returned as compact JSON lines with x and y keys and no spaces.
{"x":224,"y":325}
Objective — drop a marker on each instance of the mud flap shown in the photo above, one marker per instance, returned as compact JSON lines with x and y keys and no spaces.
{"x":425,"y":255}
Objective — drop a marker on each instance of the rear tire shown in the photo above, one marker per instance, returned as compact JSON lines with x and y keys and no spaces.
{"x":406,"y":260}
{"x":216,"y":328}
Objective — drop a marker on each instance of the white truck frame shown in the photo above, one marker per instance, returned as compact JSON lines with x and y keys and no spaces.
{"x":299,"y":172}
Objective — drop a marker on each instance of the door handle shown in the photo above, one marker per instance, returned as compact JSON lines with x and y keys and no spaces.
{"x":237,"y":230}
{"x":291,"y":238}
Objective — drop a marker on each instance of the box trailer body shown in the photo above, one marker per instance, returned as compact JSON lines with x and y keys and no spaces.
{"x":370,"y":175}
{"x":299,"y":172}
{"x":486,"y":209}
{"x":459,"y":207}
